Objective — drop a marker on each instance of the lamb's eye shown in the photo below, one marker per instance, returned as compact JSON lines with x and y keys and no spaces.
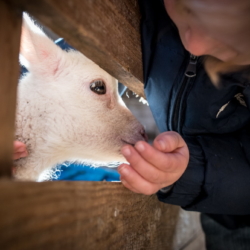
{"x":98,"y":87}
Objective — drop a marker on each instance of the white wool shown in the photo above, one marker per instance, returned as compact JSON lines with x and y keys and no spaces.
{"x":58,"y":117}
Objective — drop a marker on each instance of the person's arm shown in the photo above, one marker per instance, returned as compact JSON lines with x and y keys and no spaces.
{"x":217,"y":177}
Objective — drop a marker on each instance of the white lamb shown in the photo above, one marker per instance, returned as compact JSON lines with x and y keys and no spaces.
{"x":68,"y":108}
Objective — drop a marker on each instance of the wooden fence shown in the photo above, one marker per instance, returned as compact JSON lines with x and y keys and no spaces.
{"x":76,"y":215}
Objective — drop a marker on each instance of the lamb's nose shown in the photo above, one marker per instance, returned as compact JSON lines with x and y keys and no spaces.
{"x":144,"y":135}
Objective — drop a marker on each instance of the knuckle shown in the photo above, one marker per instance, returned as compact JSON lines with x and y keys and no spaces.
{"x":150,"y":154}
{"x":155,"y":177}
{"x":150,"y":190}
{"x":170,"y":165}
{"x":136,"y":162}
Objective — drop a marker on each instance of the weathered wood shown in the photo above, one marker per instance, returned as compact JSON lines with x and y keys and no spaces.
{"x":105,"y":31}
{"x":82,"y":215}
{"x":10,"y":29}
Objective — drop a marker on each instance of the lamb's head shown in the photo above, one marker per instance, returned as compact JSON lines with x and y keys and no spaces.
{"x":68,"y":108}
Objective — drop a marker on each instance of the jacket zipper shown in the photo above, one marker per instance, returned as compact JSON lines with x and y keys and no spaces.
{"x":190,"y":73}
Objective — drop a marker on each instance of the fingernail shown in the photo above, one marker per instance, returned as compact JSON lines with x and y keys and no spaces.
{"x":122,"y":170}
{"x":24,"y":154}
{"x":126,"y":152}
{"x":20,"y":149}
{"x":162,"y":144}
{"x":123,"y":182}
{"x":120,"y":167}
{"x":140,"y":147}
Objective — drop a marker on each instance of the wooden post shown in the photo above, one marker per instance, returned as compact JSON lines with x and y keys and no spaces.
{"x":82,"y":215}
{"x":107,"y":32}
{"x":10,"y":30}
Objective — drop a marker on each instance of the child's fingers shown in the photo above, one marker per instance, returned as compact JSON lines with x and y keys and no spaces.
{"x":19,"y":150}
{"x":19,"y":146}
{"x":168,"y":141}
{"x":166,"y":162}
{"x":133,"y":181}
{"x":124,"y":182}
{"x":148,"y":171}
{"x":19,"y":155}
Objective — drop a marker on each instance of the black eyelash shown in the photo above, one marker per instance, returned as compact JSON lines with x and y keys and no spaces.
{"x":98,"y":86}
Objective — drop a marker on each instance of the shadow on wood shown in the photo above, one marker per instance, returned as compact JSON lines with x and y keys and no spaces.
{"x":10,"y":31}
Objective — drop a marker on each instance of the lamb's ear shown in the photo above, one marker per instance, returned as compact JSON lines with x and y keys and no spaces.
{"x":38,"y":52}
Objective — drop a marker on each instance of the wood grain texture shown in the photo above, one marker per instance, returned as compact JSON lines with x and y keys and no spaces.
{"x":82,"y":215}
{"x":10,"y":30}
{"x":108,"y":32}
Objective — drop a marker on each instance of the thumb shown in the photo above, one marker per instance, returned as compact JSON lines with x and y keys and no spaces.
{"x":168,"y":142}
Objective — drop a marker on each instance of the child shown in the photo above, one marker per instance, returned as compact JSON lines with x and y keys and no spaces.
{"x":205,"y":164}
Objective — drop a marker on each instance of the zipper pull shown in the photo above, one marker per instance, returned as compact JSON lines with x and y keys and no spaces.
{"x":191,"y":68}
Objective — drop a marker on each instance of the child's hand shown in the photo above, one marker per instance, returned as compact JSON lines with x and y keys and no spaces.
{"x":154,"y":167}
{"x":20,"y":150}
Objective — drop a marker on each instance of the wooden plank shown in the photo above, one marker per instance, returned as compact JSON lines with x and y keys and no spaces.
{"x":82,"y":215}
{"x":10,"y":30}
{"x":105,"y":31}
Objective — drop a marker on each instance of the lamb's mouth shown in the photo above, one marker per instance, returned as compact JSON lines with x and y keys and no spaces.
{"x":126,"y":142}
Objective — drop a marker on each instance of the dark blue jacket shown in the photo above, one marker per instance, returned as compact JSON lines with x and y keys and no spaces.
{"x":183,"y":99}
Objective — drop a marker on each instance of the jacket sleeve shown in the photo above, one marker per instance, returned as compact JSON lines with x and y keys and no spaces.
{"x":217,"y":179}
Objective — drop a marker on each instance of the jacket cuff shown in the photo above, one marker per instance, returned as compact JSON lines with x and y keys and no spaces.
{"x":166,"y":190}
